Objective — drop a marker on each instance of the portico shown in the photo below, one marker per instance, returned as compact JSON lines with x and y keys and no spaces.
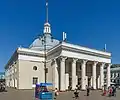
{"x":74,"y":71}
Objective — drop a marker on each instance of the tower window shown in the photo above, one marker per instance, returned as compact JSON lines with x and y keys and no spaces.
{"x":35,"y":68}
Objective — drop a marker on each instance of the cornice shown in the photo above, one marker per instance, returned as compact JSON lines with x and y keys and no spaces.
{"x":29,"y":52}
{"x":84,"y":52}
{"x":84,"y":48}
{"x":23,"y":51}
{"x":61,"y":47}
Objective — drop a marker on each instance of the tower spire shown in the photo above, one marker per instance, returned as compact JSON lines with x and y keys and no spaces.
{"x":47,"y":28}
{"x":46,"y":11}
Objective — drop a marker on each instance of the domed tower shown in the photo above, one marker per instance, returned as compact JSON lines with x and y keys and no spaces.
{"x":38,"y":44}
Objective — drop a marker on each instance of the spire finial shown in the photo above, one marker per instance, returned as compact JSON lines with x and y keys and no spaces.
{"x":46,"y":11}
{"x":47,"y":28}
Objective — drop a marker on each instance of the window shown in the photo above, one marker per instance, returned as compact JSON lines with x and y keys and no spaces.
{"x":114,"y":75}
{"x":118,"y":81}
{"x":35,"y":68}
{"x":35,"y":80}
{"x":114,"y":81}
{"x":118,"y":75}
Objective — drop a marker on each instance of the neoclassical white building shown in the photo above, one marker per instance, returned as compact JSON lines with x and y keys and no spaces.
{"x":115,"y":74}
{"x":68,"y":64}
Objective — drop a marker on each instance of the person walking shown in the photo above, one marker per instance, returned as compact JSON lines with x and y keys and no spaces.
{"x":110,"y":91}
{"x":88,"y":90}
{"x":104,"y":92}
{"x":76,"y":93}
{"x":56,"y":93}
{"x":114,"y":91}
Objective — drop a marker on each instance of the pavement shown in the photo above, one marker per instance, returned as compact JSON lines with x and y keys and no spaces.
{"x":13,"y":94}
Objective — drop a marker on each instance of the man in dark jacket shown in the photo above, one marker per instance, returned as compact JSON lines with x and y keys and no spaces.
{"x":88,"y":90}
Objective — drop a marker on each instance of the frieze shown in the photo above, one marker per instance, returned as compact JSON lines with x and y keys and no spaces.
{"x":61,"y":47}
{"x":84,"y":52}
{"x":31,"y":54}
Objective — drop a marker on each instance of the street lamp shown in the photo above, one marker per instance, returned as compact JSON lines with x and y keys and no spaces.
{"x":45,"y":55}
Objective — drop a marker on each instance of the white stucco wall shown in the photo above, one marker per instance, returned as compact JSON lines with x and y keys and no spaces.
{"x":26,"y":72}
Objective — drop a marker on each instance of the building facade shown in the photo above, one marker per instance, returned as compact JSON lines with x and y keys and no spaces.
{"x":68,"y":64}
{"x":2,"y":75}
{"x":115,"y":74}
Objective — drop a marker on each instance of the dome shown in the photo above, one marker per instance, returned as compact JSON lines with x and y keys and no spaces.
{"x":39,"y":45}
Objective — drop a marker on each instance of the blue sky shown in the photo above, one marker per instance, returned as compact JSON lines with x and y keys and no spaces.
{"x":90,"y":23}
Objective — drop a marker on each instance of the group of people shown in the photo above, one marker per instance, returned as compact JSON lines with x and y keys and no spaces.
{"x":111,"y":91}
{"x":76,"y":92}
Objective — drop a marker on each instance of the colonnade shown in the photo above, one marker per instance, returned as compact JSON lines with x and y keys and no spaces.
{"x":61,"y":79}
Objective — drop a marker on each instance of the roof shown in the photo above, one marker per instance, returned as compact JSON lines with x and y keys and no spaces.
{"x":115,"y":66}
{"x":39,"y":45}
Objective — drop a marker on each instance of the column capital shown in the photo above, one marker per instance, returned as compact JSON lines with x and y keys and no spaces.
{"x":84,"y":61}
{"x":102,"y":64}
{"x":109,"y":64}
{"x":63,"y":58}
{"x":54,"y":60}
{"x":95,"y":62}
{"x":74,"y":60}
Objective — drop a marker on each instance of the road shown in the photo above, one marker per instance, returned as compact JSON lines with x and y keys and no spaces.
{"x":13,"y":94}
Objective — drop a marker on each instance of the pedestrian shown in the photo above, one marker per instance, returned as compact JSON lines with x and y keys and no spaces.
{"x":110,"y":91}
{"x":104,"y":92}
{"x":56,"y":93}
{"x":76,"y":93}
{"x":88,"y":90}
{"x":114,"y":91}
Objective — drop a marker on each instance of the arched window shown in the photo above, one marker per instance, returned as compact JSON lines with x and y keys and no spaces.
{"x":35,"y":68}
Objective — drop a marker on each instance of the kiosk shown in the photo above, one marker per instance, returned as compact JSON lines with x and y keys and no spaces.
{"x":42,"y":92}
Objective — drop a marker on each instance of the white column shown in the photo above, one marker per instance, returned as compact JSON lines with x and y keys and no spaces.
{"x":74,"y":74}
{"x":83,"y":67}
{"x":98,"y":81}
{"x":108,"y":75}
{"x":76,"y":80}
{"x":91,"y":82}
{"x":66,"y":81}
{"x":94,"y":75}
{"x":102,"y":75}
{"x":55,"y":74}
{"x":86,"y":80}
{"x":62,"y":74}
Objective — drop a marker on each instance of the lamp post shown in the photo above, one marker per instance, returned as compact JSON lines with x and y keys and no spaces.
{"x":45,"y":55}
